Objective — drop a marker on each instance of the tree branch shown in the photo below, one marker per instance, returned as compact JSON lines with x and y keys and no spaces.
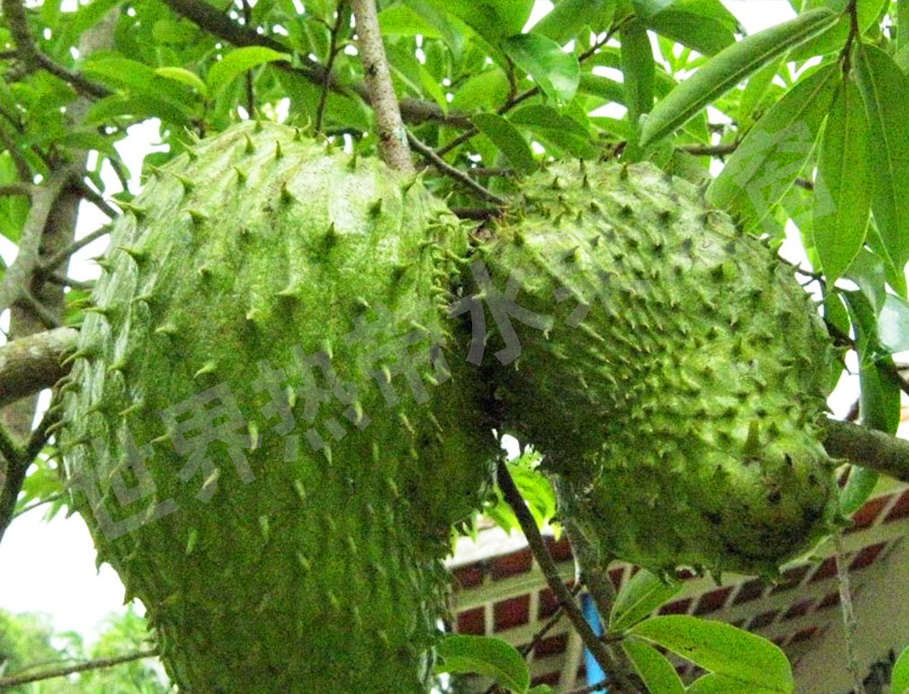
{"x":17,"y":21}
{"x":869,"y":448}
{"x":212,"y":20}
{"x":392,"y":135}
{"x":32,"y":363}
{"x":600,"y":653}
{"x":455,"y":173}
{"x":17,"y":680}
{"x":23,"y":189}
{"x":82,"y":85}
{"x":329,"y":64}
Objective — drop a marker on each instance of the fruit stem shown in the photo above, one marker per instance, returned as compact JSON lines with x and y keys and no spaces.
{"x":393,"y":146}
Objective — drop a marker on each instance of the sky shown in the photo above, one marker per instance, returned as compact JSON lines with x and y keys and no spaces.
{"x":49,"y":567}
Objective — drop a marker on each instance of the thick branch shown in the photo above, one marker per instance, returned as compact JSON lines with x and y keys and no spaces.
{"x":392,"y":136}
{"x":14,"y":680}
{"x":212,"y":20}
{"x":31,"y":363}
{"x":872,"y":449}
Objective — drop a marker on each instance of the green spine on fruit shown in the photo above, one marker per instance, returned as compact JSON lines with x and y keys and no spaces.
{"x":678,"y":394}
{"x":323,"y":573}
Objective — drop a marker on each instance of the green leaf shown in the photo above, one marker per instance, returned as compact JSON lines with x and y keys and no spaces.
{"x":154,"y":94}
{"x":844,"y":171}
{"x":494,"y":658}
{"x":485,"y":90}
{"x":179,"y":74}
{"x":549,"y":125}
{"x":721,"y":648}
{"x":703,"y":25}
{"x":880,"y":396}
{"x":400,"y":20}
{"x":237,"y":62}
{"x":756,"y":89}
{"x":556,"y":72}
{"x":507,"y":138}
{"x":899,"y":676}
{"x":729,"y":67}
{"x":638,"y":598}
{"x":885,"y":90}
{"x":567,"y":18}
{"x":768,"y":147}
{"x":493,"y":20}
{"x":638,"y":72}
{"x":857,"y":490}
{"x":720,"y":684}
{"x":655,"y":670}
{"x":893,"y":324}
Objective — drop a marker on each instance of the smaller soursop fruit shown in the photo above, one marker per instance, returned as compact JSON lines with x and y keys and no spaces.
{"x":255,"y":296}
{"x":671,"y":370}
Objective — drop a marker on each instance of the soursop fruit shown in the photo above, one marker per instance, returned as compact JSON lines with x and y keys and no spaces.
{"x":262,"y":429}
{"x":670,"y":369}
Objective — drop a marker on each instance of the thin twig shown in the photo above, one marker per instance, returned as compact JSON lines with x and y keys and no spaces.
{"x":476,"y":213}
{"x":453,"y":172}
{"x":98,"y":663}
{"x":22,"y":167}
{"x":12,"y":189}
{"x":330,"y":63}
{"x":547,"y":565}
{"x":44,"y":315}
{"x":95,"y":198}
{"x":82,"y":85}
{"x":55,"y":261}
{"x":250,"y":86}
{"x":389,"y":124}
{"x":61,"y":281}
{"x":41,"y":502}
{"x":711,"y":150}
{"x":849,"y":622}
{"x":541,"y":633}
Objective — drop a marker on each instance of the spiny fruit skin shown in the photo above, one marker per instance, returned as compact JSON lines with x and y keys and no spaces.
{"x":321,"y":574}
{"x":678,"y":392}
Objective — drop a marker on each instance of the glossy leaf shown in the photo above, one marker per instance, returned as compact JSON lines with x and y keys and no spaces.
{"x":858,"y":488}
{"x":638,"y":72}
{"x":507,"y":138}
{"x":556,"y":72}
{"x":899,"y":676}
{"x":703,"y":25}
{"x":550,"y":126}
{"x":237,"y":62}
{"x":762,"y":168}
{"x":491,"y":19}
{"x":729,"y":67}
{"x":721,"y":648}
{"x":720,"y":684}
{"x":568,"y":17}
{"x":885,"y":90}
{"x":844,"y":172}
{"x":655,"y":670}
{"x":638,"y":598}
{"x":492,"y":657}
{"x":179,"y":74}
{"x":893,"y":324}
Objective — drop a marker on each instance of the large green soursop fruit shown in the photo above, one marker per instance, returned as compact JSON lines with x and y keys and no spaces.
{"x":670,"y":369}
{"x":263,"y":430}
